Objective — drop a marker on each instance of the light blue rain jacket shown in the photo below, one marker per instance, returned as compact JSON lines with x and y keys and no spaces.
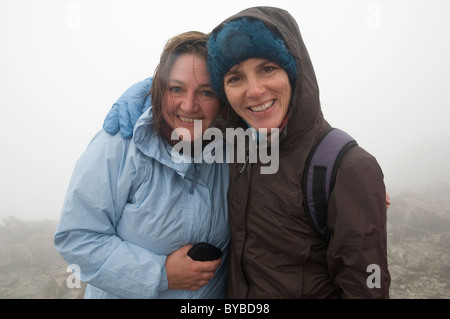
{"x":129,"y":206}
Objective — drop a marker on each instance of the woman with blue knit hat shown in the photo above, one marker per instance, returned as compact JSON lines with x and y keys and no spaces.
{"x":260,"y":67}
{"x":259,"y":64}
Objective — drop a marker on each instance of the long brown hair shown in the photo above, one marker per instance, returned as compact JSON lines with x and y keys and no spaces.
{"x":191,"y":42}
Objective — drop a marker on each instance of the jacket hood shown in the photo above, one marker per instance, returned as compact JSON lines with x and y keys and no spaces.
{"x":305,"y":115}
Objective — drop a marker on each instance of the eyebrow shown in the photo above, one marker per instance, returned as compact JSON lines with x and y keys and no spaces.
{"x":234,"y":68}
{"x":174,"y":81}
{"x":171,"y":81}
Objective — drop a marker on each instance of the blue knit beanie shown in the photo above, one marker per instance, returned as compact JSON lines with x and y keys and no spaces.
{"x":240,"y":40}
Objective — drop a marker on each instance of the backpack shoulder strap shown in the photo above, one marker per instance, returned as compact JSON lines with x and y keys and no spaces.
{"x":320,"y":175}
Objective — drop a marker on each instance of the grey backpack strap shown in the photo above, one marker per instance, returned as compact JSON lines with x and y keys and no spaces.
{"x":320,"y":175}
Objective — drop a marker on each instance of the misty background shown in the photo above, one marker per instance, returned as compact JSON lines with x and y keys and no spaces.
{"x":382,"y":66}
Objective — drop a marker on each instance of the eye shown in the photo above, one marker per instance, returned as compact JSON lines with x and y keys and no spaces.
{"x":175,"y":89}
{"x":208,"y":93}
{"x":232,"y":79}
{"x":268,"y":68}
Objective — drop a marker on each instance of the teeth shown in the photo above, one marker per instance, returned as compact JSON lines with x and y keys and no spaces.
{"x":188,"y":120}
{"x":263,"y":107}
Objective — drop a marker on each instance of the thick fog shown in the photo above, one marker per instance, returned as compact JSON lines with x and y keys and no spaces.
{"x":383,"y":70}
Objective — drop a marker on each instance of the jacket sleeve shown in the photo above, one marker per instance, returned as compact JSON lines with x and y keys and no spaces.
{"x":357,"y":252}
{"x":125,"y":113}
{"x":86,"y":232}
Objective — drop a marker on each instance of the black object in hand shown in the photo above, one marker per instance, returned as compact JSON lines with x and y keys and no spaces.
{"x":204,"y":252}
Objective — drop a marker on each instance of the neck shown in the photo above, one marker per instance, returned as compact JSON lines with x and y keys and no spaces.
{"x":166,"y":133}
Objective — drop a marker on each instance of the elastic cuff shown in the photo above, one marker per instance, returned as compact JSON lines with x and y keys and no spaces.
{"x":164,"y":284}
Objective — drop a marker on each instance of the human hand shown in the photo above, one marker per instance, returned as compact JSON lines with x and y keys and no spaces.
{"x":129,"y":107}
{"x":388,"y":201}
{"x":185,"y":273}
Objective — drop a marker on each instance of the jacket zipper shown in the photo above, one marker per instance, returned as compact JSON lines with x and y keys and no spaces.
{"x":242,"y":169}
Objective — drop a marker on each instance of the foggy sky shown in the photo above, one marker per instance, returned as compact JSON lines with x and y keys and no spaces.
{"x":382,"y":66}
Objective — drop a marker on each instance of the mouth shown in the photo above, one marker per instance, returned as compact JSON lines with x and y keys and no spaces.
{"x":188,"y":119}
{"x":263,"y":107}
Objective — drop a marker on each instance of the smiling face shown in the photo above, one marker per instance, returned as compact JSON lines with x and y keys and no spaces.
{"x":259,"y":91}
{"x":189,"y":96}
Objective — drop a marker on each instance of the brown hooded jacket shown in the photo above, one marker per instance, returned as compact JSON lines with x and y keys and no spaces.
{"x":274,"y":253}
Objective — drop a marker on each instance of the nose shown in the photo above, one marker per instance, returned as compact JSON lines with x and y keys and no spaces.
{"x":189,"y":103}
{"x":255,"y":87}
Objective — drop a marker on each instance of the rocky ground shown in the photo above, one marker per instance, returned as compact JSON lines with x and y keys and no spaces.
{"x":419,"y":244}
{"x":418,"y":249}
{"x":30,"y":267}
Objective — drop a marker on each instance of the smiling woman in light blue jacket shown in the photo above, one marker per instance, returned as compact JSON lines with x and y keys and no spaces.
{"x":131,"y":213}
